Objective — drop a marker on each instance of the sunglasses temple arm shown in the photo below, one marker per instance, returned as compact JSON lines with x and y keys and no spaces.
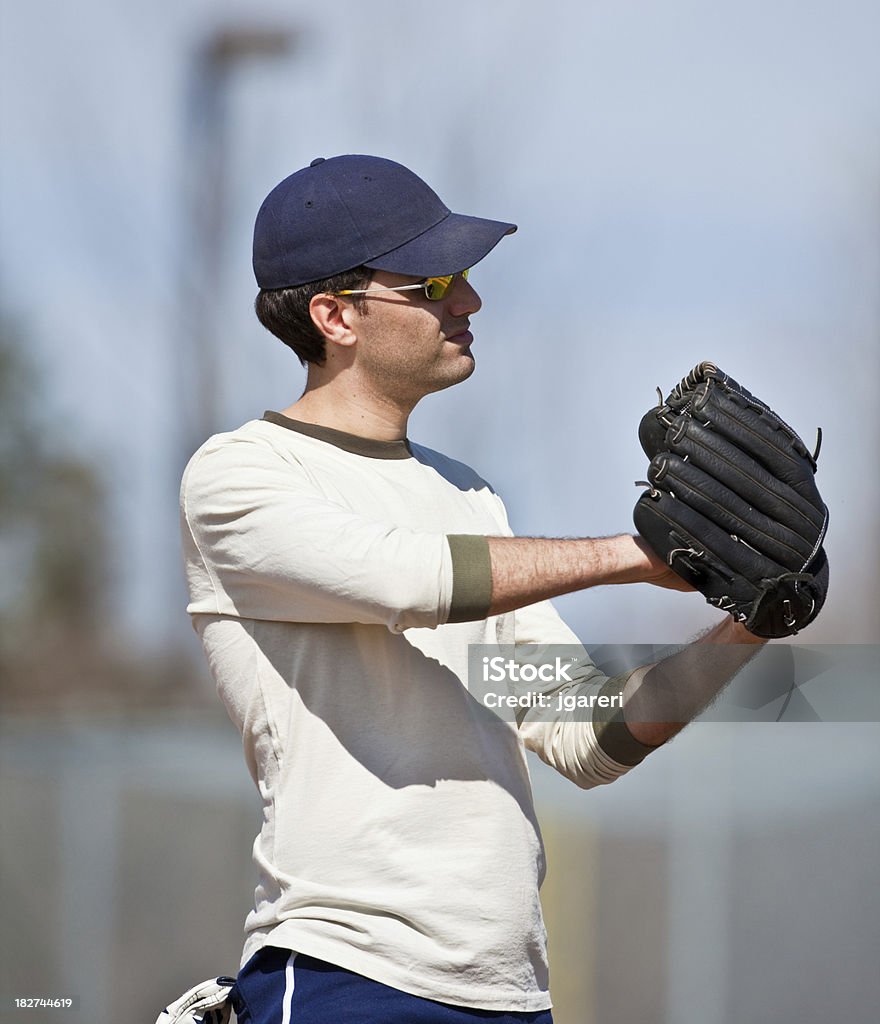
{"x":364,"y":291}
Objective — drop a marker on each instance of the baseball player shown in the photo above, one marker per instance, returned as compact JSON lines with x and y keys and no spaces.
{"x":338,"y":573}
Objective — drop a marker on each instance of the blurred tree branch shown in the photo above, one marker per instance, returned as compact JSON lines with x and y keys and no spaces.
{"x":57,"y":642}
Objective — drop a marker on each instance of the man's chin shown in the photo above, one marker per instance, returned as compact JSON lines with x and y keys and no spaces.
{"x":469,"y":363}
{"x":464,"y":367}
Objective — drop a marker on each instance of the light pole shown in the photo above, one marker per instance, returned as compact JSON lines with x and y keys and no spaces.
{"x":216,"y":59}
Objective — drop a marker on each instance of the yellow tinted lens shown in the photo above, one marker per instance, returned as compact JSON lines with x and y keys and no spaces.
{"x":437,"y":287}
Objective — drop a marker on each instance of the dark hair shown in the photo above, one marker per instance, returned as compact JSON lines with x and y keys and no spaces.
{"x":285,"y":311}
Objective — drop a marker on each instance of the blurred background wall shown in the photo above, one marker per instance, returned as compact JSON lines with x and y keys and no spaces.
{"x":691,"y":180}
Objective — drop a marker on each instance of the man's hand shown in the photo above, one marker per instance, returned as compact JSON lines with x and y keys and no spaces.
{"x":657,"y":572}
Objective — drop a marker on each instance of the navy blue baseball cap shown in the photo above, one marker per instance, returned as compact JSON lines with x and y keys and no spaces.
{"x":350,"y":211}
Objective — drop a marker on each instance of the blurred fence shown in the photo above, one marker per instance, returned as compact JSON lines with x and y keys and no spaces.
{"x":731,"y":878}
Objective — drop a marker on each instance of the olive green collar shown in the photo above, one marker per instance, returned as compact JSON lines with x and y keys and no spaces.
{"x":366,"y":446}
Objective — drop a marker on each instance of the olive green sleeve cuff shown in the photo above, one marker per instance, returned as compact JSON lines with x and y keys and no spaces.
{"x":471,"y":578}
{"x":612,"y":732}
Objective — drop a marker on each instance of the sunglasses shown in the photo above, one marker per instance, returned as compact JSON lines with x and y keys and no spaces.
{"x":435,"y":288}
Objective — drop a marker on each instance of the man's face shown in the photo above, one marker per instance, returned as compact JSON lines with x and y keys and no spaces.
{"x":409,"y":346}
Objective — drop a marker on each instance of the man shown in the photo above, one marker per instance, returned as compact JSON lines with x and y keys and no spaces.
{"x":338,"y":575}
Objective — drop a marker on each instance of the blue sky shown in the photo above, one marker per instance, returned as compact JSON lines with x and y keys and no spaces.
{"x":691,"y":180}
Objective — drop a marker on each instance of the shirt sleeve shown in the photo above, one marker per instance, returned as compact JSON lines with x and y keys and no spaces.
{"x":591,"y":746}
{"x":262,"y":542}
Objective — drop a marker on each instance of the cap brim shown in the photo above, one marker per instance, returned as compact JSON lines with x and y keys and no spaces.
{"x":456,"y":243}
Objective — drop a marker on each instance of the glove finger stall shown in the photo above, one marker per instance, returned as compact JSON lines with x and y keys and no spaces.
{"x":718,"y":566}
{"x":729,"y":511}
{"x":741,"y":474}
{"x":652,"y":431}
{"x":762,"y":435}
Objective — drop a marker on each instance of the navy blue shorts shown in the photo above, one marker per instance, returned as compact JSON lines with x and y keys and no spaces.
{"x":279,"y":987}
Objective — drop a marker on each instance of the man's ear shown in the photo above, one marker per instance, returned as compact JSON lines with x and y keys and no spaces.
{"x":334,"y":318}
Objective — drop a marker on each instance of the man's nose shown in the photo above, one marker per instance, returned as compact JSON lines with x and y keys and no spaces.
{"x":464,"y":300}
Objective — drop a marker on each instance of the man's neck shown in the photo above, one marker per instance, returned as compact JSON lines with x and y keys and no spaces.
{"x":360,"y":414}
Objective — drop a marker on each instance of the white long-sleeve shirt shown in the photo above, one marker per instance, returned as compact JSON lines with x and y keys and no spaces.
{"x":336,"y":584}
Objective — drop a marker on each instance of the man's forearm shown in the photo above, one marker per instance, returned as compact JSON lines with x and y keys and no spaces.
{"x":530,"y":569}
{"x":659,"y":700}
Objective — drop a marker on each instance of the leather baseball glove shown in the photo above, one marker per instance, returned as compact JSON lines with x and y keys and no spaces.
{"x":732,"y":504}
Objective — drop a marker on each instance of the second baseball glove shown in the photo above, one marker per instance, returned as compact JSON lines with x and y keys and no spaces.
{"x":732,"y":504}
